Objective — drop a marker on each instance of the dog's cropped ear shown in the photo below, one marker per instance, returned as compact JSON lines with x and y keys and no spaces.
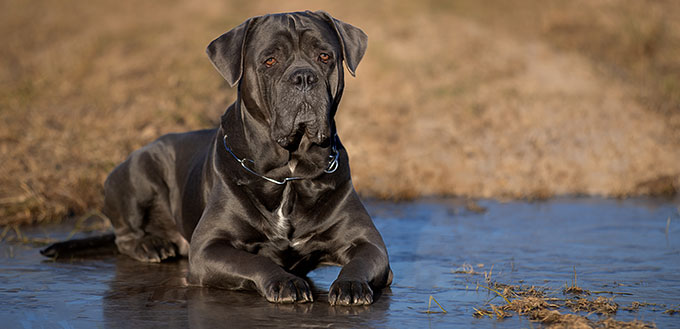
{"x":352,"y":39}
{"x":227,"y":52}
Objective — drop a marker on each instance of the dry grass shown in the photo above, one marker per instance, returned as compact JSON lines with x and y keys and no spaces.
{"x":600,"y":305}
{"x":532,"y":303}
{"x":465,"y":269}
{"x":496,"y":99}
{"x":574,"y":289}
{"x":672,"y":311}
{"x":542,"y":305}
{"x":555,"y":320}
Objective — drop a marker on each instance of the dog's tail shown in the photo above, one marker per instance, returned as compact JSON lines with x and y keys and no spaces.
{"x":102,"y":245}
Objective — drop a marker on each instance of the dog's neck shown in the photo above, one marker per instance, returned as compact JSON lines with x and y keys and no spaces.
{"x":249,"y":137}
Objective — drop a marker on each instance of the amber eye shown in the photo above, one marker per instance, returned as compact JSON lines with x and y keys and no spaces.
{"x":324,"y":57}
{"x":270,"y":62}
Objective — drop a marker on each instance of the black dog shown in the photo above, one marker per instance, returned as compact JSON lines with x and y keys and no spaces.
{"x":266,"y":197}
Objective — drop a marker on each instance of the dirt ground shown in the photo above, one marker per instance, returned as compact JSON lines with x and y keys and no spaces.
{"x":494,"y":99}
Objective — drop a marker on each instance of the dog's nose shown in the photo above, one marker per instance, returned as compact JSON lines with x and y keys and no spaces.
{"x":304,"y":79}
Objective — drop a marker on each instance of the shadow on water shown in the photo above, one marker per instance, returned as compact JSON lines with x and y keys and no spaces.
{"x":626,"y":250}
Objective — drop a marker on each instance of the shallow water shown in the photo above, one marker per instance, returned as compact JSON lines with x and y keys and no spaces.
{"x":618,"y":246}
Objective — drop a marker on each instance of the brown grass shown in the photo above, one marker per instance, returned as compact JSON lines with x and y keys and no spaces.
{"x":600,"y":305}
{"x":672,"y":311}
{"x":521,"y":99}
{"x":532,"y":303}
{"x":540,"y":304}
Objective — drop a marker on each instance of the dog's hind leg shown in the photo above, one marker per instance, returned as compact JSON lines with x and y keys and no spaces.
{"x":163,"y":234}
{"x":136,"y":201}
{"x":144,"y":231}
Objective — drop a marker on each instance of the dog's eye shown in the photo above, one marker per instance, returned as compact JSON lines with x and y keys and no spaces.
{"x":270,"y":62}
{"x":323,"y":57}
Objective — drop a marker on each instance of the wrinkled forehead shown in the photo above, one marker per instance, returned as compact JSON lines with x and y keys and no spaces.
{"x":293,"y":29}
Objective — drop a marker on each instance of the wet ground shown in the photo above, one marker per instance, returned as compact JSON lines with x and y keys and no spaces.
{"x":628,"y":250}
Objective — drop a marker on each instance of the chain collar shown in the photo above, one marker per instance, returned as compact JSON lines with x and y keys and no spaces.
{"x":332,"y":163}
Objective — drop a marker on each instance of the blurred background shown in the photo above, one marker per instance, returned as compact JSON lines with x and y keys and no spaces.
{"x":483,"y":99}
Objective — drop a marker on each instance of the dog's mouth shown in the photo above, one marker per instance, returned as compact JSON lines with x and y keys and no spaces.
{"x":307,"y":121}
{"x":292,"y":141}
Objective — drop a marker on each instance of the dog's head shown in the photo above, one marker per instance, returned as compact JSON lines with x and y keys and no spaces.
{"x":289,"y":70}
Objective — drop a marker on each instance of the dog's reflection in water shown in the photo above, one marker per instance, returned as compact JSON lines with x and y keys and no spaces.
{"x":143,"y":294}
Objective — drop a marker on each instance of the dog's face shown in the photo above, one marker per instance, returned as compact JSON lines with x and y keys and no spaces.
{"x":292,"y":75}
{"x":290,"y":70}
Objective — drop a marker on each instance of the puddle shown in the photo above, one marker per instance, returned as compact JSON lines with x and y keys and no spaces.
{"x":622,"y":247}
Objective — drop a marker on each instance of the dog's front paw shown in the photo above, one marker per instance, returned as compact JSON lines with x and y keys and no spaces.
{"x":287,"y":289}
{"x":350,"y":292}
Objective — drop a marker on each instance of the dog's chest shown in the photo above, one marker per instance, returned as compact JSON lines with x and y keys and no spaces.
{"x":281,"y":216}
{"x":283,"y":221}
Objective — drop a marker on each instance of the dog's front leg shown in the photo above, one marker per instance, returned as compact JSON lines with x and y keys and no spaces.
{"x":367,"y":269}
{"x":218,"y":264}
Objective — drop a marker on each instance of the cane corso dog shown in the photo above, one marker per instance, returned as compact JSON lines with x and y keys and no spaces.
{"x":267,"y":197}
